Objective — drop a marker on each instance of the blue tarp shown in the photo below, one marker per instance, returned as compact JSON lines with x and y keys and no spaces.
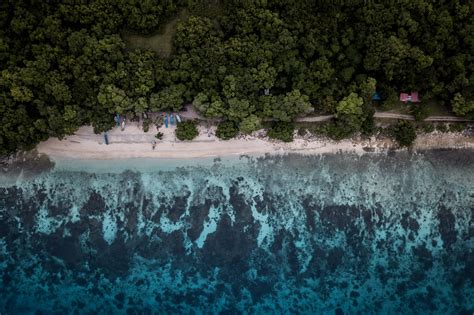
{"x":376,"y":97}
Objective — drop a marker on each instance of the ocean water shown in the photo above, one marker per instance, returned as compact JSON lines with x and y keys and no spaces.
{"x":331,"y":234}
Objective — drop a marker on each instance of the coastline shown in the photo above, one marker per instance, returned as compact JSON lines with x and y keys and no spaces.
{"x":133,"y":142}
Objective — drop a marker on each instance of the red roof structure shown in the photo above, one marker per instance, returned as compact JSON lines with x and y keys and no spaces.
{"x":404,"y":97}
{"x":413,"y":97}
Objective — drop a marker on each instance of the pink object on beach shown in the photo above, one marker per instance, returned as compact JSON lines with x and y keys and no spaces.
{"x":413,"y":97}
{"x":404,"y":97}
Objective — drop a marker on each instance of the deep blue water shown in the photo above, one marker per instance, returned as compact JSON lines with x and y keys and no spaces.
{"x":331,"y":234}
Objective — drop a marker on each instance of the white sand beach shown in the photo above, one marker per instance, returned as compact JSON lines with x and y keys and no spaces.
{"x":133,"y":142}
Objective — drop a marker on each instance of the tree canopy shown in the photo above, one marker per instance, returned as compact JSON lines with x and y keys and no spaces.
{"x":65,"y":64}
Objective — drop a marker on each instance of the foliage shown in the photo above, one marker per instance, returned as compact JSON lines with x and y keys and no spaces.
{"x":170,"y":98}
{"x":64,"y":63}
{"x":159,"y":136}
{"x":461,"y":107}
{"x":187,"y":130}
{"x":290,"y":106}
{"x":282,"y":131}
{"x":428,"y":127}
{"x":302,"y":132}
{"x":250,"y":124}
{"x":350,"y":113}
{"x":457,"y":127}
{"x":210,"y":105}
{"x":336,"y":130}
{"x":404,"y":132}
{"x":420,"y":111}
{"x":391,"y":100}
{"x":227,"y":130}
{"x":146,"y":124}
{"x":441,"y":127}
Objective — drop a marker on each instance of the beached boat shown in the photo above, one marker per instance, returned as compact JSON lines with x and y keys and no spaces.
{"x":166,"y":121}
{"x":117,"y":120}
{"x":122,"y":125}
{"x":172,"y":119}
{"x":106,"y":139}
{"x":178,"y":119}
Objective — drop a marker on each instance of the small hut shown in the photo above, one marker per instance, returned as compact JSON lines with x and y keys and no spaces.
{"x":412,"y":97}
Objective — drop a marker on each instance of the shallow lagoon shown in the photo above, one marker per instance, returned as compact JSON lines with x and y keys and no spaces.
{"x":338,"y":234}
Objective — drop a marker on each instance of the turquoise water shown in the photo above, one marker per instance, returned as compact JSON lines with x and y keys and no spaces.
{"x":331,"y":234}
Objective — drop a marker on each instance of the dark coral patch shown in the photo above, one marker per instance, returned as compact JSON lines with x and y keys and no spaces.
{"x":197,"y":217}
{"x":95,"y":205}
{"x":447,"y":227}
{"x":409,"y":223}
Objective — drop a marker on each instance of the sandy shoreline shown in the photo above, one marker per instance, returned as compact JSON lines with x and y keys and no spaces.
{"x":134,"y":143}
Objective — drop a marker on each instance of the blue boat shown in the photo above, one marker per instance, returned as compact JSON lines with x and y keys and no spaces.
{"x":117,"y":120}
{"x":166,"y":121}
{"x":172,"y":119}
{"x":106,"y":139}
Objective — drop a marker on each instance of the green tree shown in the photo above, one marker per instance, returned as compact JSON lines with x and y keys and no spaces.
{"x":113,"y":99}
{"x":227,"y":130}
{"x":461,"y":107}
{"x":187,"y":130}
{"x":239,"y":109}
{"x":404,"y":133}
{"x":350,"y":113}
{"x":210,"y":106}
{"x":282,"y":131}
{"x":290,"y":106}
{"x":21,"y":93}
{"x":169,"y":98}
{"x":250,"y":124}
{"x":264,"y":76}
{"x":195,"y":32}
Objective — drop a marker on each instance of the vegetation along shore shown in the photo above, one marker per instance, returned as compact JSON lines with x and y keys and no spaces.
{"x":244,"y":65}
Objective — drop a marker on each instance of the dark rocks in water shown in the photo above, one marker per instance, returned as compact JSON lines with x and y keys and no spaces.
{"x":260,"y":289}
{"x":113,"y":260}
{"x":338,"y":217}
{"x":368,"y":218}
{"x":423,"y":255}
{"x":67,"y":249}
{"x":409,"y":223}
{"x":120,"y":297}
{"x":417,"y":276}
{"x":382,"y":273}
{"x":292,"y":258}
{"x":227,"y":246}
{"x":447,"y":227}
{"x":178,"y":208}
{"x":95,"y":205}
{"x":310,"y":211}
{"x":335,"y":258}
{"x":313,"y":249}
{"x":197,"y":217}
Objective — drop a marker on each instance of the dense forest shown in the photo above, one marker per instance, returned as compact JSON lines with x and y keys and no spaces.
{"x":65,"y":63}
